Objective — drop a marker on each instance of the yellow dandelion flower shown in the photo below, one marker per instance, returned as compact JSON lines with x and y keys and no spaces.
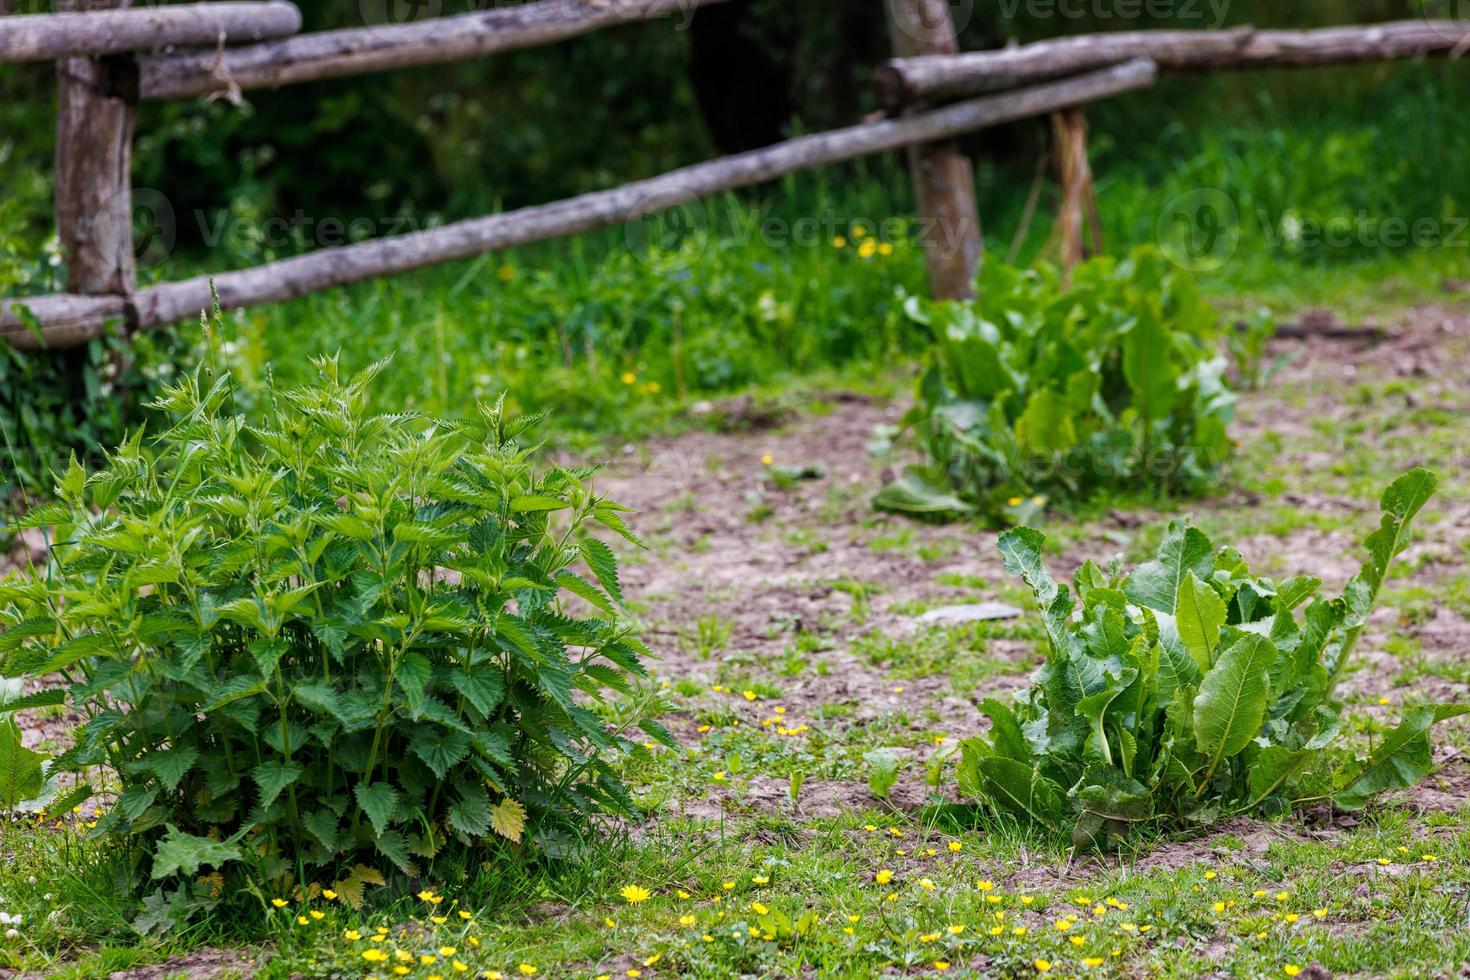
{"x":374,"y":955}
{"x":428,"y":959}
{"x":653,"y":959}
{"x":839,"y":242}
{"x":927,"y":885}
{"x":352,"y":934}
{"x":610,"y":922}
{"x":729,"y":886}
{"x":527,"y":969}
{"x":1384,"y":861}
{"x":1027,"y":899}
{"x":1210,"y":876}
{"x":762,"y":879}
{"x":628,"y":378}
{"x":1015,"y":502}
{"x":748,"y":695}
{"x":426,"y":895}
{"x":759,"y":908}
{"x":1428,"y":857}
{"x":634,"y":894}
{"x":1076,"y":940}
{"x":1019,"y":931}
{"x":886,"y":249}
{"x":997,"y":930}
{"x":1062,"y":925}
{"x":686,"y":920}
{"x":438,"y":920}
{"x":766,"y":460}
{"x":941,"y":965}
{"x":956,"y":930}
{"x":1092,"y":961}
{"x":955,"y":847}
{"x":1320,"y":913}
{"x":719,"y":777}
{"x":317,"y":915}
{"x":859,"y":231}
{"x":1292,"y":969}
{"x":465,"y":915}
{"x":1218,"y":907}
{"x":1042,"y":965}
{"x":682,"y":893}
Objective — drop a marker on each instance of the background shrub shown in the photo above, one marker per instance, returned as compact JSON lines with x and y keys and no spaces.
{"x":1039,"y":388}
{"x":334,"y":637}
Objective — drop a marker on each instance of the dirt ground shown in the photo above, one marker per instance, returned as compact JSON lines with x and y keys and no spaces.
{"x":728,"y":545}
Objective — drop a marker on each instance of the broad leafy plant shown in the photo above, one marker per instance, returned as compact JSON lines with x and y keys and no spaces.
{"x":1190,"y":689}
{"x":330,"y":642}
{"x":1034,"y":389}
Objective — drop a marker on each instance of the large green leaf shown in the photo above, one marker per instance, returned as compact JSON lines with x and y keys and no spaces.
{"x":1045,"y":425}
{"x":1401,"y":759}
{"x":273,"y":778}
{"x":913,"y":493}
{"x":1403,"y":499}
{"x":1020,"y":550}
{"x":20,"y":768}
{"x":378,"y":801}
{"x":1232,"y":698}
{"x":1147,"y":367}
{"x":1020,"y":790}
{"x":1156,"y":583}
{"x":1199,"y":612}
{"x":184,"y":854}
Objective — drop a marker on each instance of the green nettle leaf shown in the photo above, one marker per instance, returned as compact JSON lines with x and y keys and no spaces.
{"x":1188,"y":690}
{"x":173,"y":765}
{"x":378,"y":801}
{"x":604,"y":565}
{"x":508,"y":819}
{"x":1232,"y":698}
{"x":482,"y":686}
{"x":440,"y":750}
{"x":274,"y":778}
{"x":20,"y":769}
{"x":471,"y":815}
{"x":1199,"y":612}
{"x":184,"y":854}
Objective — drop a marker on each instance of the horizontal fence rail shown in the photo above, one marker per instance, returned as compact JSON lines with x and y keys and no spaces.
{"x":359,"y":50}
{"x":46,"y":37}
{"x":939,"y":77}
{"x":69,"y":319}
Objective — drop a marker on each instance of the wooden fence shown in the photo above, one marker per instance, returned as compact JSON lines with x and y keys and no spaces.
{"x":934,"y":93}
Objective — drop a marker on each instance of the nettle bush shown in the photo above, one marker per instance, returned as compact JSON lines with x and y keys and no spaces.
{"x":302,"y":647}
{"x":1035,"y":390}
{"x":1189,"y":689}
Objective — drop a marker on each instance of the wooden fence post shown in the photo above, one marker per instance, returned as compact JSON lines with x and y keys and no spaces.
{"x":944,"y":180}
{"x":97,"y":99}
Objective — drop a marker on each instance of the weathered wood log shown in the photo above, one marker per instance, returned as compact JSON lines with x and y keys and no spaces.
{"x":97,"y":101}
{"x":355,"y":51}
{"x":45,"y":37}
{"x":73,"y":319}
{"x":937,"y":78}
{"x":944,"y":178}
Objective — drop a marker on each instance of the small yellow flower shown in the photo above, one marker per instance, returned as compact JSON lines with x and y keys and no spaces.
{"x":839,"y":242}
{"x":328,"y":894}
{"x":762,"y":879}
{"x":352,"y":934}
{"x":1283,"y":896}
{"x":428,"y":959}
{"x":1062,"y":925}
{"x":927,"y":885}
{"x":374,"y":955}
{"x":506,"y":273}
{"x":634,"y":894}
{"x":955,"y":847}
{"x":767,"y":459}
{"x":1076,"y":940}
{"x":527,"y":969}
{"x":426,"y":895}
{"x":1320,"y":913}
{"x":859,"y":231}
{"x":1218,"y":907}
{"x":1042,"y":965}
{"x":1091,"y":961}
{"x":1210,"y":875}
{"x":883,"y":877}
{"x":1292,"y":969}
{"x":986,"y":886}
{"x":610,"y":922}
{"x":729,"y":886}
{"x":1027,"y":899}
{"x":682,"y":893}
{"x":318,"y":916}
{"x":686,"y":920}
{"x":1428,"y":857}
{"x":279,"y":903}
{"x":653,"y":959}
{"x":1383,"y":700}
{"x":759,"y":909}
{"x":956,"y":930}
{"x":887,"y":249}
{"x":748,"y":695}
{"x":629,"y":378}
{"x":719,"y":777}
{"x":941,"y":965}
{"x":301,"y":920}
